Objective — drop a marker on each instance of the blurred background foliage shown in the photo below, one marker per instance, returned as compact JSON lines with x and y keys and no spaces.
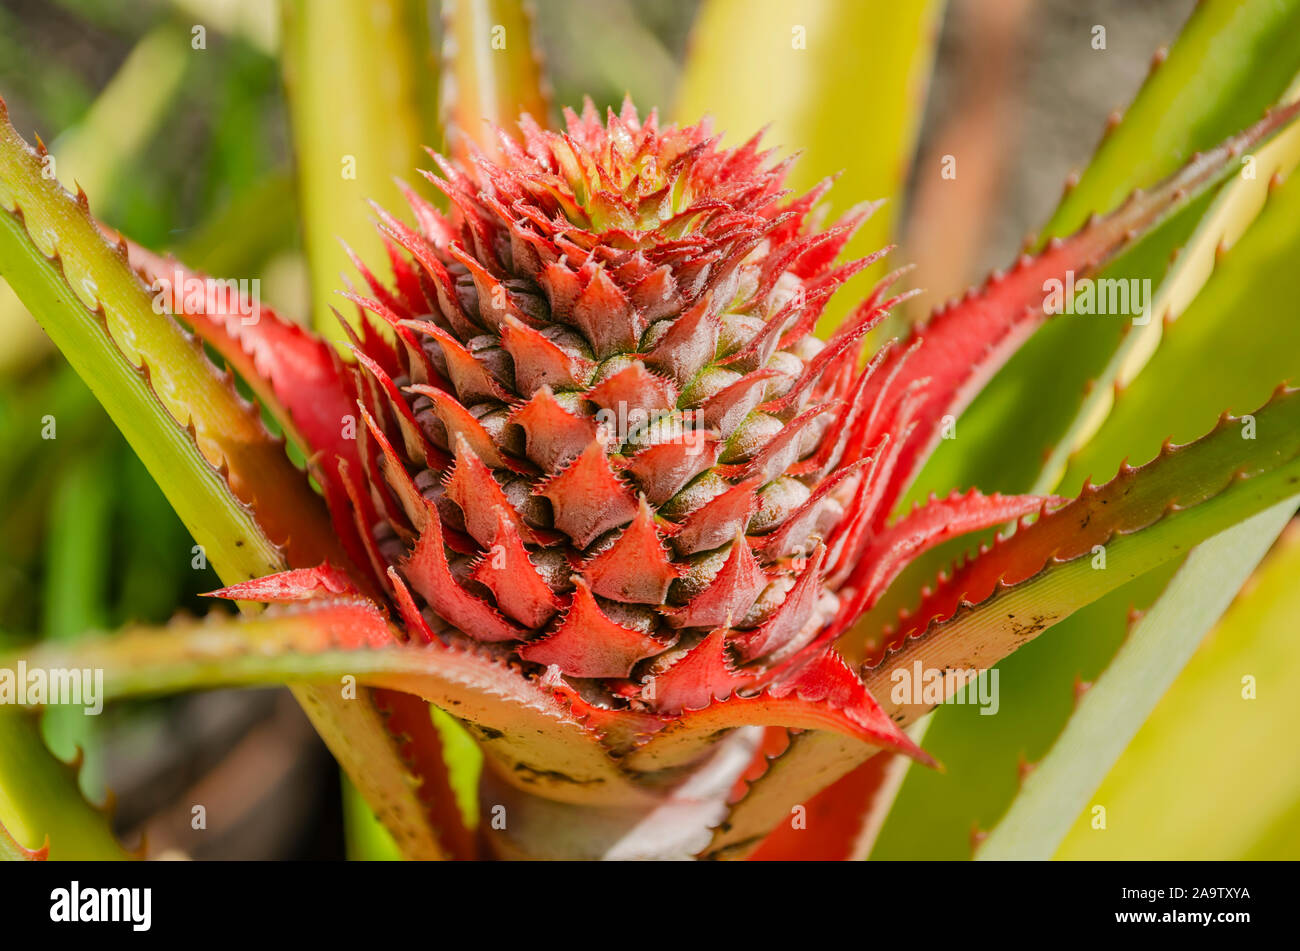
{"x":188,"y":149}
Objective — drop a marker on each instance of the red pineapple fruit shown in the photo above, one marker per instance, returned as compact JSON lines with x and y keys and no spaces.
{"x":606,"y":442}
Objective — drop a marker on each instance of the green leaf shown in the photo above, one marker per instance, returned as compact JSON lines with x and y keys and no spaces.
{"x":935,"y":815}
{"x":101,"y":317}
{"x":94,"y":153}
{"x":1232,"y":60}
{"x":492,"y":72}
{"x":151,"y":580}
{"x":843,"y":81}
{"x":103,"y":333}
{"x":361,"y":104}
{"x":1222,"y":225}
{"x":464,"y":764}
{"x":1230,"y":63}
{"x":325,"y":642}
{"x":1163,"y":787}
{"x":1112,"y":710}
{"x":28,"y":471}
{"x":365,"y":838}
{"x":1011,"y":592}
{"x":185,"y":421}
{"x":76,"y":579}
{"x":39,"y":797}
{"x":75,"y":595}
{"x":1258,"y":278}
{"x":1232,"y":341}
{"x":11,"y":851}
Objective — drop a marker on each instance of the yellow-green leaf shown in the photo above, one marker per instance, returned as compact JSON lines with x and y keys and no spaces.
{"x":492,"y":72}
{"x":361,"y":80}
{"x":1217,"y":745}
{"x":840,"y":81}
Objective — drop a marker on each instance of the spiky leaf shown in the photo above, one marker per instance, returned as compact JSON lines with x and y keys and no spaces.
{"x":1114,"y":707}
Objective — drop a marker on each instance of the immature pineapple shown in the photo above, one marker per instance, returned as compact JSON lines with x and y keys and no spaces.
{"x":606,"y":442}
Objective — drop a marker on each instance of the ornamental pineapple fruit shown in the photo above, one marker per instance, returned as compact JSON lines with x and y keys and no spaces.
{"x":606,"y":442}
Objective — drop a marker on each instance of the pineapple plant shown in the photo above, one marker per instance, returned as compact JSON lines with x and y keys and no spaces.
{"x":582,"y":474}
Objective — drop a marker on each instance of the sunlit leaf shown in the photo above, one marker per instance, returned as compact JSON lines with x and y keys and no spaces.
{"x":1212,"y":745}
{"x":492,"y":73}
{"x":1114,"y":707}
{"x":341,"y":58}
{"x":840,"y":81}
{"x":39,"y":797}
{"x":198,"y":438}
{"x":93,"y":153}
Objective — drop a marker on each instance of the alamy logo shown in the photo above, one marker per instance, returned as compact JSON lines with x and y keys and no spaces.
{"x":189,"y":294}
{"x":37,"y":686}
{"x":933,"y":686}
{"x":1108,"y":297}
{"x":132,"y":905}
